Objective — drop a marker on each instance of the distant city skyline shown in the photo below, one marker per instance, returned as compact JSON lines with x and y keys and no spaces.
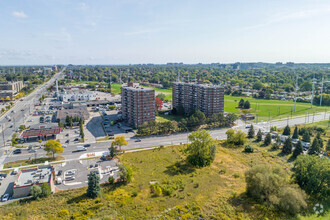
{"x":39,"y":32}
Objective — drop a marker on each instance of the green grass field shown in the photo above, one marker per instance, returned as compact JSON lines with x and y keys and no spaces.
{"x":276,"y":108}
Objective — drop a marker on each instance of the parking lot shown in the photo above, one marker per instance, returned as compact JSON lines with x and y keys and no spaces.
{"x":74,"y":174}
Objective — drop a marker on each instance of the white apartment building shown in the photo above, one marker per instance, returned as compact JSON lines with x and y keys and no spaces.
{"x":79,"y":95}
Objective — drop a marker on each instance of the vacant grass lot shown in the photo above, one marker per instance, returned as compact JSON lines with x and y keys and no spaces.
{"x":215,"y":192}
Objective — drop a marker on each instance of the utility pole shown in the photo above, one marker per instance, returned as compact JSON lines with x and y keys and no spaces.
{"x":287,"y":121}
{"x":291,"y":112}
{"x":313,"y":116}
{"x":295,"y":93}
{"x":321,"y":91}
{"x":313,"y":91}
{"x":257,"y":118}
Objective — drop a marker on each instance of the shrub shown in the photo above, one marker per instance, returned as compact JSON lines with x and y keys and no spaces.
{"x":236,"y":175}
{"x":248,"y":149}
{"x":135,"y":193}
{"x":63,"y":213}
{"x":156,"y":190}
{"x":270,"y":187}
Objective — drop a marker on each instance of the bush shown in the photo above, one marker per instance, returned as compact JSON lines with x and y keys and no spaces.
{"x":270,"y":187}
{"x":125,"y":173}
{"x":156,"y":190}
{"x":135,"y":193}
{"x":248,"y":149}
{"x":235,"y":138}
{"x":63,"y":213}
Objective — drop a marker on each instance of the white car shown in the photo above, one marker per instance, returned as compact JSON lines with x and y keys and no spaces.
{"x":64,"y":146}
{"x":5,"y":197}
{"x":71,"y":172}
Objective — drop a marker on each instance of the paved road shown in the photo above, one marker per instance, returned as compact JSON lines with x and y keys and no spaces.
{"x":220,"y":134}
{"x":22,"y":109}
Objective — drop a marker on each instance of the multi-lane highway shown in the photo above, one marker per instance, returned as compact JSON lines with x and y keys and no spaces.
{"x":21,"y":109}
{"x":220,"y":134}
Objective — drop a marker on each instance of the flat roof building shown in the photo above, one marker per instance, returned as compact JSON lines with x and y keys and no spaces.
{"x":10,"y":89}
{"x":204,"y":97}
{"x":41,"y":133}
{"x":34,"y":176}
{"x":137,"y":104}
{"x":76,"y":95}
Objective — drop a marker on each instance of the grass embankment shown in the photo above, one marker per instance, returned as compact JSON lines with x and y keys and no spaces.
{"x":215,"y":192}
{"x":32,"y":161}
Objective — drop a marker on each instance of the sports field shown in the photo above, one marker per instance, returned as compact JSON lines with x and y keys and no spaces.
{"x":275,"y":109}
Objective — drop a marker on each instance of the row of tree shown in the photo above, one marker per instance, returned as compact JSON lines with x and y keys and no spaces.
{"x":191,"y":123}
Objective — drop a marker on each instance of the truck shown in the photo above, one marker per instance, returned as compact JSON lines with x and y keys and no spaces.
{"x":81,"y":148}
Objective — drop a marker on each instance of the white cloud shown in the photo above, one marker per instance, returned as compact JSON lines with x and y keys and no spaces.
{"x":83,"y":6}
{"x":290,"y":16}
{"x":146,"y":31}
{"x":62,"y":36}
{"x":19,"y":14}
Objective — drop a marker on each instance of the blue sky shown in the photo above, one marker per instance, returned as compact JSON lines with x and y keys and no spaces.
{"x":161,"y":31}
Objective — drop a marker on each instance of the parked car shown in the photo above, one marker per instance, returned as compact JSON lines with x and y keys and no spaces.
{"x":5,"y":197}
{"x":76,"y":139}
{"x":67,"y":141}
{"x":59,"y":173}
{"x":138,"y":140}
{"x":87,"y":145}
{"x":17,"y":151}
{"x":68,"y":178}
{"x":64,"y":146}
{"x":71,"y":172}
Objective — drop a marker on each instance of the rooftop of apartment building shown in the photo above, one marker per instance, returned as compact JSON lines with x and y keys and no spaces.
{"x":135,"y":86}
{"x":199,"y":84}
{"x":27,"y":177}
{"x":9,"y":82}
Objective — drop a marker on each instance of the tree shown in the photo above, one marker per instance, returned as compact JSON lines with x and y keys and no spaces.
{"x":259,"y":136}
{"x":45,"y":190}
{"x":315,"y":148}
{"x":81,"y":128}
{"x":201,"y":151}
{"x":125,"y":173}
{"x":318,"y":136}
{"x":119,"y":142}
{"x":112,"y":151}
{"x":53,"y":147}
{"x":268,"y":139}
{"x":246,"y":105}
{"x":161,"y":96}
{"x":251,"y":132}
{"x":36,"y":192}
{"x":328,"y":146}
{"x":241,"y":103}
{"x":306,"y":137}
{"x":94,"y":188}
{"x":236,"y":138}
{"x":295,"y":133}
{"x":287,"y":147}
{"x":286,"y":130}
{"x":111,"y":180}
{"x":312,"y":175}
{"x":257,"y":85}
{"x":158,"y":103}
{"x":297,"y":150}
